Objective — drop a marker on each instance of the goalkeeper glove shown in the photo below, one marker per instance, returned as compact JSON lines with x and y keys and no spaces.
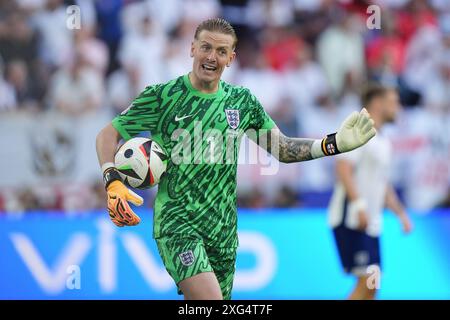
{"x":118,"y":197}
{"x":354,"y":132}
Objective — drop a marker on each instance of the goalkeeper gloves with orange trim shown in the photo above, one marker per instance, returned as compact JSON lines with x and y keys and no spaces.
{"x":118,"y":196}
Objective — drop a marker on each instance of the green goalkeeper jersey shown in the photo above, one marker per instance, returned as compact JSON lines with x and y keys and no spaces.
{"x":201,"y":133}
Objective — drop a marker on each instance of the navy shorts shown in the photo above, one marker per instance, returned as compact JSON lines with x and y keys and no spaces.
{"x":357,"y":250}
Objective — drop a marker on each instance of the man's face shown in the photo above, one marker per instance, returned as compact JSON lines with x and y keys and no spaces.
{"x":391,"y":105}
{"x":212,"y":52}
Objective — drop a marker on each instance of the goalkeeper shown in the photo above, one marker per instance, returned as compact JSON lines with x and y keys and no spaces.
{"x":195,"y":214}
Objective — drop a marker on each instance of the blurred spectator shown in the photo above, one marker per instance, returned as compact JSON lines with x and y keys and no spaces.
{"x":28,"y":200}
{"x":24,"y":88}
{"x":76,"y":90}
{"x":31,"y":198}
{"x":48,"y":197}
{"x":306,"y":83}
{"x":88,"y":13}
{"x":7,"y":97}
{"x":168,"y":12}
{"x":110,"y":27}
{"x":235,"y":12}
{"x":286,"y":198}
{"x":280,"y":47}
{"x":263,"y":82}
{"x":427,"y":172}
{"x":132,"y":14}
{"x":436,"y":84}
{"x":199,"y":10}
{"x":313,"y":17}
{"x":340,"y":51}
{"x":284,"y":116}
{"x":270,"y":13}
{"x":413,"y":16}
{"x":305,"y":60}
{"x":141,"y":53}
{"x":350,"y":95}
{"x":121,"y":90}
{"x":436,"y":90}
{"x":18,"y":41}
{"x":57,"y":42}
{"x":422,"y":59}
{"x":93,"y":51}
{"x":177,"y":58}
{"x":386,"y":53}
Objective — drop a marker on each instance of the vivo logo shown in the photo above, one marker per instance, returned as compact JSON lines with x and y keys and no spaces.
{"x":66,"y":271}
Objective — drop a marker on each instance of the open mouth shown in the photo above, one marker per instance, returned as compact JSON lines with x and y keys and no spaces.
{"x":209,"y":67}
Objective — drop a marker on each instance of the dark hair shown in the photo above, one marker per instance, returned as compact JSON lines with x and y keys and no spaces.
{"x":219,"y":25}
{"x":372,"y":91}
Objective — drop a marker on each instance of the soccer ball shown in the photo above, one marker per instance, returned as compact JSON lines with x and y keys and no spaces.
{"x":141,"y":162}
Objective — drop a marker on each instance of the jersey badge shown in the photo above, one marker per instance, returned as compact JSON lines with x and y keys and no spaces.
{"x":232,"y":118}
{"x":187,"y":258}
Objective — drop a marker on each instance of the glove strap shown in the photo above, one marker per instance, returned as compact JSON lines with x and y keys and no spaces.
{"x":329,"y":146}
{"x":110,"y":175}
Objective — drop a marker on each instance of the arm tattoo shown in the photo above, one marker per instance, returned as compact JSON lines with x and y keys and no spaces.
{"x":294,"y":149}
{"x":287,"y":149}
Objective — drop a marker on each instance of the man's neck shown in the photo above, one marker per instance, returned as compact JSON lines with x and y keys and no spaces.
{"x":203,"y":86}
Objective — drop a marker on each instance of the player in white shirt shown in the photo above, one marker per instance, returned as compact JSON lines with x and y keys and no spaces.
{"x":361,"y":193}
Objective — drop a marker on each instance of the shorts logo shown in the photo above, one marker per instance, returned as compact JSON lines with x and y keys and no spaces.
{"x":187,"y":258}
{"x":232,"y":118}
{"x":361,"y":258}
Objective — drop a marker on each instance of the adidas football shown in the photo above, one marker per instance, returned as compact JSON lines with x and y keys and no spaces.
{"x":141,"y":162}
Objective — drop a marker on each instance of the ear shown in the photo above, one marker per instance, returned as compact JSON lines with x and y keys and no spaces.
{"x":192,"y":49}
{"x":232,"y":57}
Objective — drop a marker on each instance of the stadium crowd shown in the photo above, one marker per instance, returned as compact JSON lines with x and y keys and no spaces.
{"x":305,"y":60}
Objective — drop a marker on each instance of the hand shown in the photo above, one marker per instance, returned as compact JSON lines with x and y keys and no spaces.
{"x":363,"y":221}
{"x":357,"y":217}
{"x":118,"y":207}
{"x":355,"y":131}
{"x":406,"y":223}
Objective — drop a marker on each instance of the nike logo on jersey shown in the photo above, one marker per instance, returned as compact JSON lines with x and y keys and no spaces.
{"x":181,"y":118}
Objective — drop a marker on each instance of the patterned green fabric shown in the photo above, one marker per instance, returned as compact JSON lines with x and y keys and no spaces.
{"x":196,"y":197}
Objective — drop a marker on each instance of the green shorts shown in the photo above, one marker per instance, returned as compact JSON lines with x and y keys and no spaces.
{"x":186,"y":256}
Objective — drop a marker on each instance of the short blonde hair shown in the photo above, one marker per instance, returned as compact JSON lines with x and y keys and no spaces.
{"x":217,"y":25}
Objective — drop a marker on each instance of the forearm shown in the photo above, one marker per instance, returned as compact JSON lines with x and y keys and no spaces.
{"x":289,"y":150}
{"x":286,"y":149}
{"x":392,"y":201}
{"x":350,"y":190}
{"x":355,"y":131}
{"x":106,"y":144}
{"x":294,"y":149}
{"x":344,"y":172}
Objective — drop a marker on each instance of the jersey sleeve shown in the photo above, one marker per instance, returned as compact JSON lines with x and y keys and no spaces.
{"x":142,"y":115}
{"x":259,"y":120}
